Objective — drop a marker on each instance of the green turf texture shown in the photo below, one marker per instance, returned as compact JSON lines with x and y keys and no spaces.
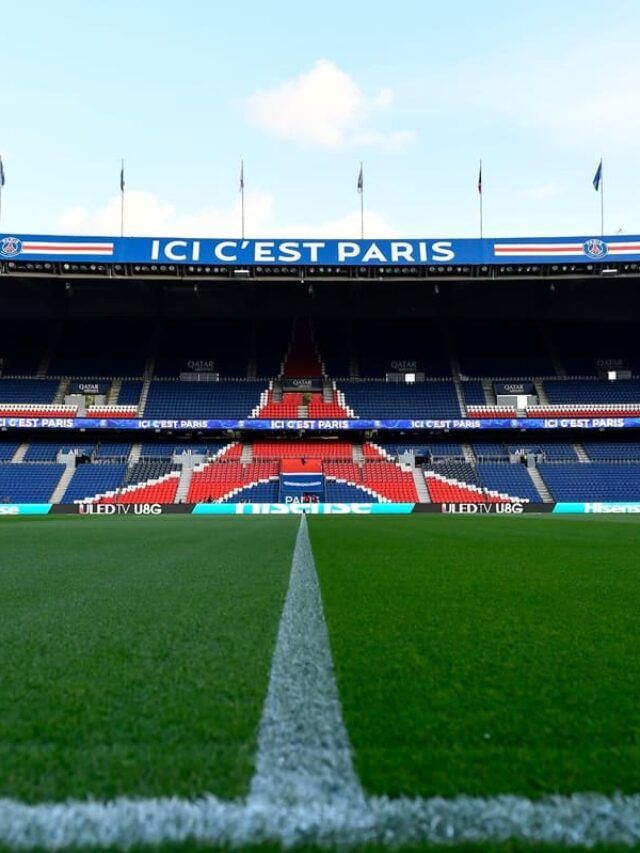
{"x":486,"y":656}
{"x":135,"y":653}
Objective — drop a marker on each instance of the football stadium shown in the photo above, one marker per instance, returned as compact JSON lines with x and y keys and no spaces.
{"x":319,"y":543}
{"x":320,"y":427}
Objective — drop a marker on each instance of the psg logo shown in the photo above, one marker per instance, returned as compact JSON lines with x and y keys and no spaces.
{"x":595,"y":248}
{"x":10,"y":247}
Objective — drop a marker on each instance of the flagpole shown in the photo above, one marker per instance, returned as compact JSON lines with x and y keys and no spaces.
{"x":361,"y":202}
{"x":480,"y":188}
{"x":242,"y":196}
{"x":122,"y":197}
{"x":602,"y":200}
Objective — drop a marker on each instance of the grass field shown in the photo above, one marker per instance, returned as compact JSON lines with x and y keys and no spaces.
{"x":134,"y":655}
{"x":486,"y":656}
{"x":478,"y":656}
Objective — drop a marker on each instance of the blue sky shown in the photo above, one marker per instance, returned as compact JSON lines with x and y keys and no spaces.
{"x":417,"y":90}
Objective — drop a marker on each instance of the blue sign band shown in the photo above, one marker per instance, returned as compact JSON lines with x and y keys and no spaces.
{"x":317,"y":253}
{"x":314,"y":425}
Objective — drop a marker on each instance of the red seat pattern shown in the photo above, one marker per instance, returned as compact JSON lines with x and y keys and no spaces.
{"x":597,"y":410}
{"x":37,"y":410}
{"x":344,"y":471}
{"x":302,"y":449}
{"x":162,"y":491}
{"x":491,"y":411}
{"x":390,"y":481}
{"x":112,"y":412}
{"x":321,"y":410}
{"x":214,"y":480}
{"x":288,"y":407}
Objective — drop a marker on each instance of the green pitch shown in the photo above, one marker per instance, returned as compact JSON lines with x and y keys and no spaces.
{"x":135,"y":654}
{"x":486,"y":656}
{"x":479,"y":656}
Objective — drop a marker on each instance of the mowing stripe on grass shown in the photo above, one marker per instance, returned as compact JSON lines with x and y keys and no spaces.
{"x":305,"y":789}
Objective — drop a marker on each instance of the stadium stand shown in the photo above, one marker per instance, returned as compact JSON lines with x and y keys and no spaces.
{"x":8,"y":450}
{"x":338,"y":491}
{"x":113,"y":450}
{"x":47,"y":451}
{"x":592,"y":482}
{"x":589,"y":392}
{"x":262,"y":492}
{"x":225,"y":399}
{"x":130,"y":392}
{"x":94,"y":479}
{"x":610,"y":451}
{"x":28,"y":482}
{"x":507,"y":479}
{"x":28,"y":391}
{"x":360,"y":353}
{"x":374,"y":399}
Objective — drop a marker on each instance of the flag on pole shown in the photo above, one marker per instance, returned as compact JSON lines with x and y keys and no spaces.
{"x":2,"y":180}
{"x":241,"y":175}
{"x":480,"y":179}
{"x":361,"y":180}
{"x":597,"y":178}
{"x":122,"y":177}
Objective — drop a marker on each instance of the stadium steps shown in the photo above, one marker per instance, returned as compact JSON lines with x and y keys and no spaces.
{"x":358,"y":454}
{"x":327,"y":391}
{"x":146,"y":385}
{"x":538,"y":384}
{"x":58,"y":400}
{"x":149,"y":369}
{"x":581,"y":453}
{"x":303,"y":411}
{"x":540,"y":485}
{"x":186,"y":474}
{"x":114,"y":392}
{"x":459,"y":394}
{"x":421,"y":485}
{"x":247,"y":454}
{"x":469,"y":453}
{"x":489,"y":396}
{"x":134,"y":456}
{"x":20,"y":453}
{"x":63,"y":482}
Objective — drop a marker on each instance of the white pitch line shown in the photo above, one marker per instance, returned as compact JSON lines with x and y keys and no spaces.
{"x":304,"y":754}
{"x":305,"y":790}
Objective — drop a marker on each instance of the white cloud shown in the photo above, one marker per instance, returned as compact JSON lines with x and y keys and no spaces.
{"x":324,"y":108}
{"x":146,"y":214}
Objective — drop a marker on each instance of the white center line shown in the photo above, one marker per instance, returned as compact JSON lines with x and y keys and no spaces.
{"x":304,"y":754}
